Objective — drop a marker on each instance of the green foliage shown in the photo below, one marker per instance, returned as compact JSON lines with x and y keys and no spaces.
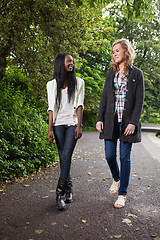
{"x":144,"y":34}
{"x":24,"y":148}
{"x":92,"y":65}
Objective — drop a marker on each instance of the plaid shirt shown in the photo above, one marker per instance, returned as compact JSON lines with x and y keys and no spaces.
{"x":120,"y":85}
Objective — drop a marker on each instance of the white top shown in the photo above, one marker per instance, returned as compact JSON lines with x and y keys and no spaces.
{"x":65,"y":113}
{"x":78,"y":99}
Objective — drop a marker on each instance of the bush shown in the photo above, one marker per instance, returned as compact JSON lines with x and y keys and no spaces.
{"x":24,"y":148}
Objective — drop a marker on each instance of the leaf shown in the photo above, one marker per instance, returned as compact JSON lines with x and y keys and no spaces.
{"x":27,"y":223}
{"x":25,"y":185}
{"x":154,"y":236}
{"x":45,"y":197}
{"x":52,"y":191}
{"x":2,"y":190}
{"x":38,"y":231}
{"x":53,"y":223}
{"x":67,"y":226}
{"x":127,"y":221}
{"x":84,"y":221}
{"x":115,"y":236}
{"x":89,"y":173}
{"x":132,"y":215}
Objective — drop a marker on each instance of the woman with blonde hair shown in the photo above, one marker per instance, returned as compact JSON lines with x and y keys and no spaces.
{"x":119,"y":114}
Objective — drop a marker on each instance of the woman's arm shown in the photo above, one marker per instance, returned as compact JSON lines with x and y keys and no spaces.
{"x":50,"y":124}
{"x":78,"y":131}
{"x":103,"y":102}
{"x":99,"y":126}
{"x":139,"y":99}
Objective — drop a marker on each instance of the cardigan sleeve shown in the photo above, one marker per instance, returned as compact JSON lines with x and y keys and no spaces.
{"x":51,"y":92}
{"x":80,"y":93}
{"x":139,"y":100}
{"x":103,"y":102}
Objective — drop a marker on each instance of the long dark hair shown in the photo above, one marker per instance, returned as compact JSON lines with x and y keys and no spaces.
{"x":59,"y":74}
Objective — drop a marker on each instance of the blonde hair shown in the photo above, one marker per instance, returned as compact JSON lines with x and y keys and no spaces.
{"x":129,"y":54}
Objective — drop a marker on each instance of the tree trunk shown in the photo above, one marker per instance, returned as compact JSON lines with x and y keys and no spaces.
{"x":4,"y":53}
{"x":3,"y":65}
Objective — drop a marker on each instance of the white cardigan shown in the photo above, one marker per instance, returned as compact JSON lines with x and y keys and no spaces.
{"x":52,"y":92}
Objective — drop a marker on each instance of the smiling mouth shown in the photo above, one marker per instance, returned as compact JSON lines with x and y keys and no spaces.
{"x":70,"y":67}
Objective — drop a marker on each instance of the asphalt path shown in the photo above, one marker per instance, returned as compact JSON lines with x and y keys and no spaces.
{"x":28,"y":209}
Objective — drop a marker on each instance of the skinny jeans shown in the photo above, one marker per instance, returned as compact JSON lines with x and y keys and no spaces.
{"x":121,"y":173}
{"x":66,"y":142}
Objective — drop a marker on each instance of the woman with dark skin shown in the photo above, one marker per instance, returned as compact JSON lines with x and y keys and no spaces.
{"x":119,"y":115}
{"x":65,"y":101}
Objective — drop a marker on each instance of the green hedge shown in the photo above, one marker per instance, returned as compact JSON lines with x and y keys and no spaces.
{"x":24,"y":148}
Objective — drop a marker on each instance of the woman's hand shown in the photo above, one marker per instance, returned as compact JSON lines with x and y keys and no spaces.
{"x":129,"y":129}
{"x":78,"y":132}
{"x":99,"y":126}
{"x":50,"y":136}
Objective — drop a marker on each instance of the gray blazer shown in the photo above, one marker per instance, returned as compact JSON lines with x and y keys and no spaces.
{"x":132,"y":108}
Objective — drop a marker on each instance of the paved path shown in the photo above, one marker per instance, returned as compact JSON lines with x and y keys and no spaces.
{"x":28,"y":210}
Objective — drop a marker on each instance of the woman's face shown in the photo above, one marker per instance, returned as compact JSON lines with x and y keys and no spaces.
{"x":118,"y":53}
{"x":68,"y":63}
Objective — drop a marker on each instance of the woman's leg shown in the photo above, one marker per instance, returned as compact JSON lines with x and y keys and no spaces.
{"x":125,"y":161}
{"x":59,"y":134}
{"x":65,"y":140}
{"x":111,"y":157}
{"x":68,"y":148}
{"x":64,"y":136}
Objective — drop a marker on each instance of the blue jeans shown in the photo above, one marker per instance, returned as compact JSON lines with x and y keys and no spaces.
{"x":65,"y":141}
{"x":123,"y":173}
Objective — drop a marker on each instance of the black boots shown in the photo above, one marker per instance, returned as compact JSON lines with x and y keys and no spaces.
{"x":60,"y":194}
{"x":64,"y":193}
{"x":68,"y":191}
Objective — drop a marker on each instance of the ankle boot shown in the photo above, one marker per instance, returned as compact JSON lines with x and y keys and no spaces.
{"x":69,"y":192}
{"x":60,"y":194}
